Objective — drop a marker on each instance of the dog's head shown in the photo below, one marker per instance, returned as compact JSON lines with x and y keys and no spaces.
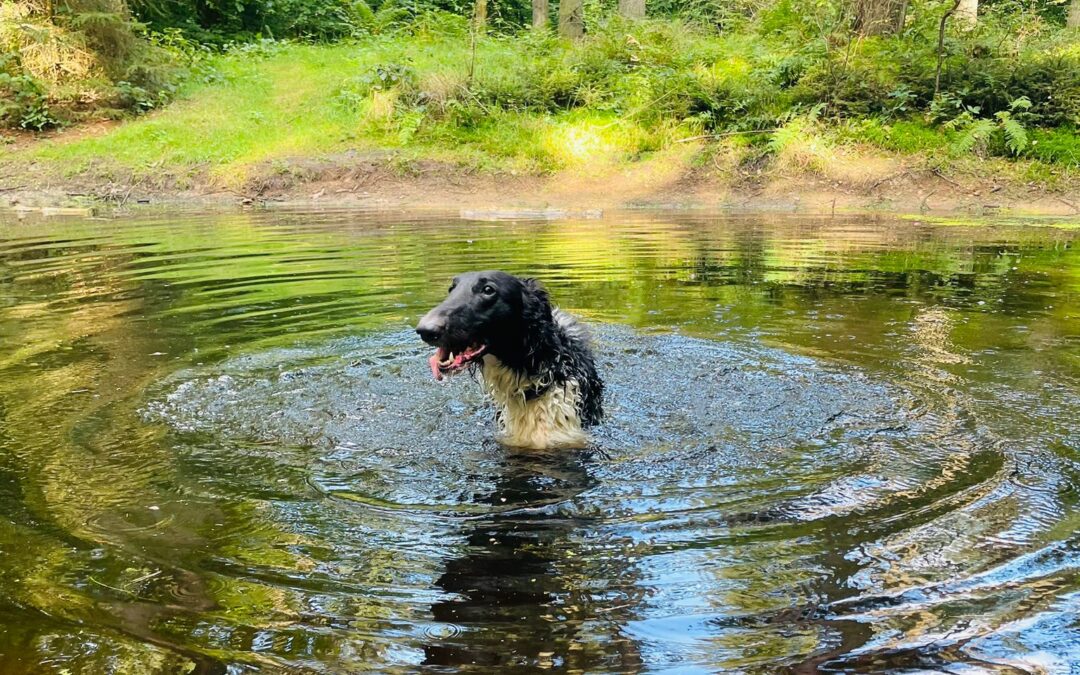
{"x":485,"y":313}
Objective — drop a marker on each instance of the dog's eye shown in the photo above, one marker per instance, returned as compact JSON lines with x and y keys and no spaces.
{"x":488,"y":290}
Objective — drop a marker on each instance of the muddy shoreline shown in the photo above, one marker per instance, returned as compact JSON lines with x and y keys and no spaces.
{"x":381,"y":182}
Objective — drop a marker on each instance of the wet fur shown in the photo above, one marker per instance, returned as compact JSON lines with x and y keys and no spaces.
{"x":538,"y":368}
{"x":558,"y":362}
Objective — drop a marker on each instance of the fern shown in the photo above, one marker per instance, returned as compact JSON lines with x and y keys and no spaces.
{"x":365,"y":17}
{"x":786,"y":135}
{"x":389,"y":18}
{"x":1016,"y":138}
{"x":972,"y":135}
{"x":1022,"y":103}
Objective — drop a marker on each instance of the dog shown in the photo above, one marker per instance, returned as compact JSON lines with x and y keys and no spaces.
{"x":535,"y":361}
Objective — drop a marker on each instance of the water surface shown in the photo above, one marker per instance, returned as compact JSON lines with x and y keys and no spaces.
{"x":833,"y":444}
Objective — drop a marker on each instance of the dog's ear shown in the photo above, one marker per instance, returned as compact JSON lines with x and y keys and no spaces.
{"x":534,"y":301}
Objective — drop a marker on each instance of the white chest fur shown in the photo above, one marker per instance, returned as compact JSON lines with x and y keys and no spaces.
{"x":549,"y":420}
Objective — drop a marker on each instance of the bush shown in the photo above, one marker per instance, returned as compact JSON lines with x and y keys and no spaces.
{"x":88,"y":58}
{"x":23,"y":102}
{"x":1055,"y":146}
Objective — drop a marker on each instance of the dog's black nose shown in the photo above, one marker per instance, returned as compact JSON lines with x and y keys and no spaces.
{"x":430,"y":330}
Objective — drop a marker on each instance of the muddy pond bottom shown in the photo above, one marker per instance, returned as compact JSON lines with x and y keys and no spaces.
{"x":831,"y":445}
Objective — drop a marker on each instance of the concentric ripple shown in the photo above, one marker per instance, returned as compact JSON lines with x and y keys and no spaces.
{"x":831,"y":446}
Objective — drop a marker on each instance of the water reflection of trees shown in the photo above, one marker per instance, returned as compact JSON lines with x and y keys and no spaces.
{"x":87,"y":325}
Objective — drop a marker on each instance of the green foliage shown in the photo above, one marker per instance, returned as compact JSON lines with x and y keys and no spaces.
{"x":22,"y":99}
{"x":1055,"y":146}
{"x":222,"y":22}
{"x":81,"y":59}
{"x":1016,"y":137}
{"x":724,"y":66}
{"x":974,"y":133}
{"x":906,"y":136}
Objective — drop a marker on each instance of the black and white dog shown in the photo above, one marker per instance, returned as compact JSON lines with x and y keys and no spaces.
{"x":535,"y":361}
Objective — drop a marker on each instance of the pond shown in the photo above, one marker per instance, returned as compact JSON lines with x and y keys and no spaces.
{"x":833,"y":444}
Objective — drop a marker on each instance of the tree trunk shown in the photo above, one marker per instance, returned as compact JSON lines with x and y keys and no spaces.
{"x":879,"y":17}
{"x":941,"y":45}
{"x":635,"y":9}
{"x":540,"y":13}
{"x":967,"y":13}
{"x":571,"y":19}
{"x":1074,"y":15}
{"x":480,"y":14}
{"x":901,"y":17}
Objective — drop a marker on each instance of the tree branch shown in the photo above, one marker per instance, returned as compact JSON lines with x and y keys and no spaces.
{"x":941,"y":45}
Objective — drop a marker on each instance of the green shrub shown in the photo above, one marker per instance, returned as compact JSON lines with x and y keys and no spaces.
{"x":52,"y":63}
{"x":23,"y":103}
{"x":1055,"y":146}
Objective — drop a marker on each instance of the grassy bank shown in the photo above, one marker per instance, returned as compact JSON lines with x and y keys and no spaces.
{"x":741,"y":108}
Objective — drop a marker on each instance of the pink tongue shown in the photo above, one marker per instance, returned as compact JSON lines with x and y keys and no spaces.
{"x":439,"y":356}
{"x":436,"y":358}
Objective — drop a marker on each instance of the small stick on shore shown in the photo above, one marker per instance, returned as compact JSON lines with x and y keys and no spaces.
{"x":725,"y":134}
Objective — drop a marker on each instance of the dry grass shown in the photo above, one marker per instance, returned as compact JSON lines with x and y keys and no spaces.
{"x":438,"y":89}
{"x":382,"y":105}
{"x":49,"y":53}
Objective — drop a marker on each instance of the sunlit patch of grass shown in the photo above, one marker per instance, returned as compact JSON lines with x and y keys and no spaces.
{"x":257,"y":110}
{"x":800,"y":147}
{"x":585,"y":139}
{"x":530,"y":103}
{"x":905,"y":136}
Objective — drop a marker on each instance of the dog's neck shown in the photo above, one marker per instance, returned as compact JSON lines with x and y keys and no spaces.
{"x":533,"y":411}
{"x":529,"y":351}
{"x":530,"y":378}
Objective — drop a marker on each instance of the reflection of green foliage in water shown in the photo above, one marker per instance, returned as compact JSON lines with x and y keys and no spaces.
{"x":88,"y":325}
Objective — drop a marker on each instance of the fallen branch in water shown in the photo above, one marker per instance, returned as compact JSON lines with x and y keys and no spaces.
{"x":134,"y":581}
{"x":121,"y":590}
{"x":145,"y":577}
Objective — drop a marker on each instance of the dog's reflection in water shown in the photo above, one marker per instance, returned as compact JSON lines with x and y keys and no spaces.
{"x":524,"y":592}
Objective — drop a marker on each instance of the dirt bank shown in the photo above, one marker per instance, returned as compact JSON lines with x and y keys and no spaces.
{"x":670,"y":179}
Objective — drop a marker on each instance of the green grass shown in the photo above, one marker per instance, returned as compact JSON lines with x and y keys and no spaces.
{"x":520,"y":103}
{"x":254,"y":110}
{"x":312,"y":100}
{"x":1057,"y":146}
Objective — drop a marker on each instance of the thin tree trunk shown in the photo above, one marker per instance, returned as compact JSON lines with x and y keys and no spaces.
{"x":540,"y":13}
{"x":1073,"y":21}
{"x":941,"y":45}
{"x":634,"y":9}
{"x":901,"y":17}
{"x":480,"y":14}
{"x":967,"y":13}
{"x":571,"y":19}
